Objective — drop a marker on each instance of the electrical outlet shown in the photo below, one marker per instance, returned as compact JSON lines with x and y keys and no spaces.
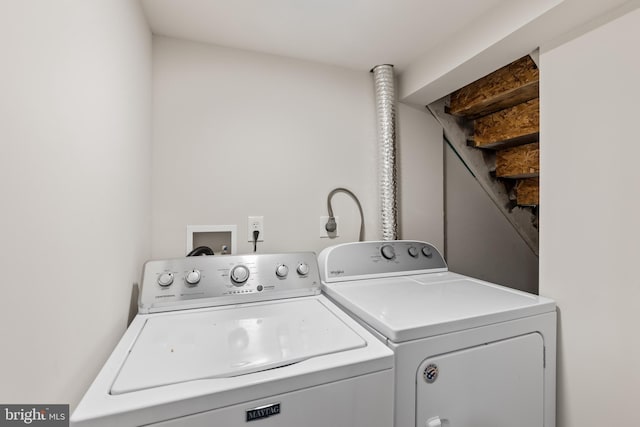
{"x":255,"y":223}
{"x":323,"y":230}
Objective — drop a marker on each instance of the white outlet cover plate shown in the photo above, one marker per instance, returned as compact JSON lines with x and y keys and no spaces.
{"x":250,"y":221}
{"x":323,"y":231}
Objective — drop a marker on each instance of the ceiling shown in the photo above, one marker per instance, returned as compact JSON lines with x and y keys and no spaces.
{"x":356,"y":34}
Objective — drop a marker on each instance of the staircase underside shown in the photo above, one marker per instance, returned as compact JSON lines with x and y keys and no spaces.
{"x":493,"y":125}
{"x":480,"y":162}
{"x":504,"y":111}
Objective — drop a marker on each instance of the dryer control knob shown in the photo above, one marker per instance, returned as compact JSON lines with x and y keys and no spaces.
{"x":303,"y":269}
{"x":282,"y":270}
{"x":165,"y":279}
{"x":436,"y":422}
{"x":413,"y":251}
{"x":388,"y":252}
{"x":193,"y":277}
{"x":239,"y":275}
{"x":427,"y":251}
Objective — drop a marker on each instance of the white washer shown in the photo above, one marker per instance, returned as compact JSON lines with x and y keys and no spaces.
{"x":468,"y":353}
{"x":229,"y":340}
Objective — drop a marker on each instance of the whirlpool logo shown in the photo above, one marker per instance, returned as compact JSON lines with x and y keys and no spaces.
{"x":263,"y":412}
{"x":336,"y":272}
{"x":37,"y":415}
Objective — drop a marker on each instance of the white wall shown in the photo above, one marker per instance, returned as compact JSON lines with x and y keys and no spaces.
{"x":486,"y":44}
{"x":590,"y":191}
{"x":74,"y":185}
{"x":238,"y":133}
{"x":480,"y":240}
{"x":503,"y":34}
{"x":420,"y":176}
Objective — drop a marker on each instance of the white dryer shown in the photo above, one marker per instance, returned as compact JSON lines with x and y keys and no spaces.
{"x":231,"y":340}
{"x":468,"y":353}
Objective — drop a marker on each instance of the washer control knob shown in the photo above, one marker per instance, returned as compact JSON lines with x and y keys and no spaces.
{"x":388,"y":252}
{"x":193,"y":277}
{"x":303,"y":269}
{"x":282,"y":270}
{"x":426,"y":250}
{"x":239,"y":275}
{"x":413,"y":251}
{"x":165,"y":279}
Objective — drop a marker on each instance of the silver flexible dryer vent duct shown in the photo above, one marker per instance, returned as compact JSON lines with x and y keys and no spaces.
{"x":386,"y":114}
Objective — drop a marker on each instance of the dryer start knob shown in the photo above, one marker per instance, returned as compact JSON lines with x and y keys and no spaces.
{"x":388,"y":252}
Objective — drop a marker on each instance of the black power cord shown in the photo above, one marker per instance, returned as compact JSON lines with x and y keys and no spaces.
{"x":256,"y":233}
{"x":201,"y":250}
{"x":331,"y":225}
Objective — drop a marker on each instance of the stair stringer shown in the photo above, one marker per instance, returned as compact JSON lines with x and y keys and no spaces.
{"x":457,"y":133}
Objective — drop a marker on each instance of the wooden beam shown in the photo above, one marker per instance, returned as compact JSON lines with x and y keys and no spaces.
{"x":518,"y":162}
{"x":475,"y":160}
{"x":528,"y":192}
{"x":507,"y":128}
{"x":510,"y":85}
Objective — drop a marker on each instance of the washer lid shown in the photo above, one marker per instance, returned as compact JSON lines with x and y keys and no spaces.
{"x":412,"y":307}
{"x":231,"y":341}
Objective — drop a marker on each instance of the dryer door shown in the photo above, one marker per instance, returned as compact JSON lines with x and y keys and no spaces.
{"x":498,"y":384}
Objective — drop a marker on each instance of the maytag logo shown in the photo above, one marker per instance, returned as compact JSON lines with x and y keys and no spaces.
{"x":263,"y":412}
{"x":49,"y":415}
{"x":336,"y":272}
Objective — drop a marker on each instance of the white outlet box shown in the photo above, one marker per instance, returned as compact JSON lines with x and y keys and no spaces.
{"x":255,"y":223}
{"x":323,"y":231}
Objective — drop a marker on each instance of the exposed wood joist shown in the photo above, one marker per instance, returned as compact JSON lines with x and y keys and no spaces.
{"x":509,"y":127}
{"x":518,"y":162}
{"x":504,"y":109}
{"x":457,"y":134}
{"x":528,"y":192}
{"x":510,"y":85}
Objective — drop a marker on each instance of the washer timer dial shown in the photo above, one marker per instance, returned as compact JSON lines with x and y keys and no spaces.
{"x":239,"y":275}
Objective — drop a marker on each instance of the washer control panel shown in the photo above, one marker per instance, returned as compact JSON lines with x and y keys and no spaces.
{"x":204,"y":281}
{"x":351,"y":261}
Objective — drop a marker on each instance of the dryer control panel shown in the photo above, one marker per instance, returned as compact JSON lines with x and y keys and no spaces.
{"x":205,"y":281}
{"x":361,"y":260}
